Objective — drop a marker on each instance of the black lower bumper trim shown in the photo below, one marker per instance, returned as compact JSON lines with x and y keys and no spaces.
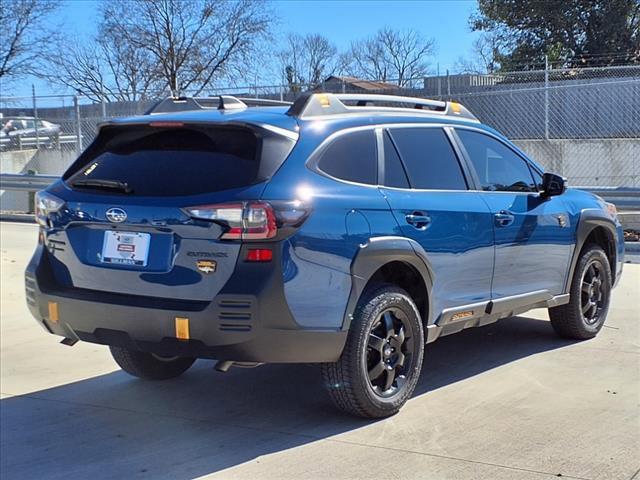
{"x":248,"y":321}
{"x":271,"y":347}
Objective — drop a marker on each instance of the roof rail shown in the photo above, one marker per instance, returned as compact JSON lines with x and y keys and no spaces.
{"x":264,"y":102}
{"x":322,"y":104}
{"x":221,"y":102}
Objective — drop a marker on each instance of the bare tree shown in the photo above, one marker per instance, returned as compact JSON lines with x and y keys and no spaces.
{"x":24,"y":34}
{"x":193,"y":42}
{"x":291,"y":61}
{"x":392,"y":55}
{"x":79,"y":67}
{"x":133,"y":72}
{"x":308,"y":59}
{"x":368,"y":59}
{"x":407,"y":52}
{"x":322,"y":58}
{"x":483,"y":56}
{"x":107,"y":68}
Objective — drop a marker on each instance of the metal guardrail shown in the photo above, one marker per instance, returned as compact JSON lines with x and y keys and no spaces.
{"x":625,"y":198}
{"x":24,"y":142}
{"x":26,"y":183}
{"x":612,"y":191}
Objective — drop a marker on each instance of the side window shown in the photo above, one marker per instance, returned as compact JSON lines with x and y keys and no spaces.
{"x":498,"y":167}
{"x":352,"y":157}
{"x":429,"y":158}
{"x":394,"y":175}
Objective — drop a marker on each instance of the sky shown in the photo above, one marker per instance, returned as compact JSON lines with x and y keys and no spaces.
{"x":446,"y":21}
{"x":343,"y":21}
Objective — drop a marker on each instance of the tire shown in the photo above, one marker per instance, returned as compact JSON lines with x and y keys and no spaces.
{"x":148,"y":365}
{"x":590,"y":295}
{"x":385,"y":345}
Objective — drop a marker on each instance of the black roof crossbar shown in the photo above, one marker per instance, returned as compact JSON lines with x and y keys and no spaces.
{"x":323,"y":104}
{"x":221,"y":102}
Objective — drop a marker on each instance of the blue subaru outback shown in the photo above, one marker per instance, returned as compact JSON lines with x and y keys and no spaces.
{"x":344,"y":230}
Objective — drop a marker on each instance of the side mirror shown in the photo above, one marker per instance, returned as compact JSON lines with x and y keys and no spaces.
{"x":553,"y":185}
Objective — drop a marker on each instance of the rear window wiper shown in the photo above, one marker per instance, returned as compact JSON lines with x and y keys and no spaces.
{"x":97,"y":183}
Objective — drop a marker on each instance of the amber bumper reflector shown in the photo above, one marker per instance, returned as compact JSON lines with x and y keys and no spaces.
{"x":182,"y":328}
{"x":53,"y":312}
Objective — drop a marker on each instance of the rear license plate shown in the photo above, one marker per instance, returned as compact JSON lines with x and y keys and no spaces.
{"x":126,"y":248}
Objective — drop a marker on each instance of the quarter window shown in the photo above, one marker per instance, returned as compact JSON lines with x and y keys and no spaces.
{"x":352,"y":157}
{"x":429,"y":158}
{"x":498,"y":167}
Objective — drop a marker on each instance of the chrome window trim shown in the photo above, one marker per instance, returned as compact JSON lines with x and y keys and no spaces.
{"x":314,"y":157}
{"x":379,"y":132}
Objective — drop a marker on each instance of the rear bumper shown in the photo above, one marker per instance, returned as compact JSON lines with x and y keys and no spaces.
{"x":249,"y":319}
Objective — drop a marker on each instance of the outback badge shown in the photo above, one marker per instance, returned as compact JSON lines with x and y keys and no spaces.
{"x":207,"y":266}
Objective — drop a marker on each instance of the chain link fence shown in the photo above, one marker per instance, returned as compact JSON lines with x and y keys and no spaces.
{"x":581,"y":123}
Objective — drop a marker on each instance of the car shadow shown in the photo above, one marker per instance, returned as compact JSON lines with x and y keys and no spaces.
{"x":115,"y":426}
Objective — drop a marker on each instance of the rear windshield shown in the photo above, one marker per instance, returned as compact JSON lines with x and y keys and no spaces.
{"x":151,"y":161}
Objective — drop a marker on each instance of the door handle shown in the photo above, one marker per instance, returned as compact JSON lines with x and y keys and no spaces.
{"x":418,"y":219}
{"x":504,"y":218}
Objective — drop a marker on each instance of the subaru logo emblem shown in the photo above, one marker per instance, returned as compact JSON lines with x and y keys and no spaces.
{"x":116,"y":215}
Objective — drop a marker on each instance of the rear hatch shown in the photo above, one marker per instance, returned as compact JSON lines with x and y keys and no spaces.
{"x":126,"y":228}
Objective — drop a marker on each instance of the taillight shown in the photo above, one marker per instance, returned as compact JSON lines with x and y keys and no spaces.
{"x":260,"y":221}
{"x":46,"y":204}
{"x":245,"y":221}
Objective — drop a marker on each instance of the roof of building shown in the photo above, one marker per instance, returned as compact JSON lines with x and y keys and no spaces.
{"x":363,"y":84}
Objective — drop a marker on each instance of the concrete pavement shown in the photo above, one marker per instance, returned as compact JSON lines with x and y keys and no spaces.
{"x":506,"y":401}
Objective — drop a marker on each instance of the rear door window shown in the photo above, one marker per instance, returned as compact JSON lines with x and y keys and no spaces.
{"x":429,"y":158}
{"x":171,"y":161}
{"x":353,"y":157}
